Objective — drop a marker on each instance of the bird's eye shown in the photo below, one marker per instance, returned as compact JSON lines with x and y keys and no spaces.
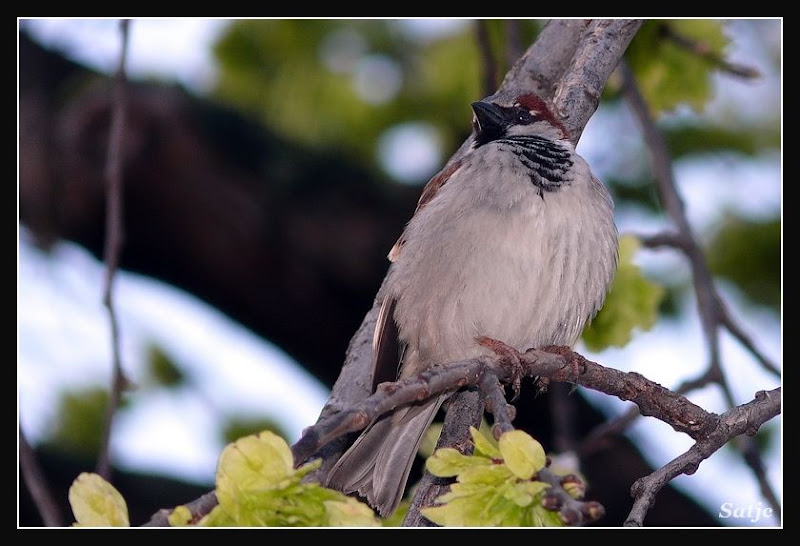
{"x":523,"y":116}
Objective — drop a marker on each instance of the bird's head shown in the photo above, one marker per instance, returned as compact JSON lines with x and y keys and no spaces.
{"x":512,"y":116}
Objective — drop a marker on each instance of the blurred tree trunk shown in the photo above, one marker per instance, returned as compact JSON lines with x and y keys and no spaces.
{"x":287,"y":241}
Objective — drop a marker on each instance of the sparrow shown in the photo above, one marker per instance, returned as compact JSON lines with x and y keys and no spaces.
{"x":515,"y":243}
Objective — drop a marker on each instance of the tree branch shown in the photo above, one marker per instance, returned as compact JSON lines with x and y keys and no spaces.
{"x":574,"y":511}
{"x":599,"y":51}
{"x":113,"y":245}
{"x":554,"y":363}
{"x":563,"y":365}
{"x":37,"y":484}
{"x":712,"y":310}
{"x":744,"y":419}
{"x":702,"y":50}
{"x":199,"y":508}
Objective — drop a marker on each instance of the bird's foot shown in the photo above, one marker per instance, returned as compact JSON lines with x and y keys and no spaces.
{"x":510,"y":356}
{"x":572,"y":361}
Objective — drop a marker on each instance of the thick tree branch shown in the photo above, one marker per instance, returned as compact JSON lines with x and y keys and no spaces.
{"x":541,"y":67}
{"x":744,"y":419}
{"x":599,"y":50}
{"x":556,"y":364}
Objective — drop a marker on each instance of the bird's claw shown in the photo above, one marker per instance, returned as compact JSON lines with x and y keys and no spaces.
{"x":572,"y":362}
{"x":510,"y":356}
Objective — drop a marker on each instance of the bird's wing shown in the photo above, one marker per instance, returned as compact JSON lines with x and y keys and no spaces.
{"x":428,"y":193}
{"x":387,"y":348}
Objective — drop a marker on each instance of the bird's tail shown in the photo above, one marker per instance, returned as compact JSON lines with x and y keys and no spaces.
{"x":377,"y":465}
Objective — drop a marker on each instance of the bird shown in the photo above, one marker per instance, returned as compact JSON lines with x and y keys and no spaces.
{"x":513,"y":245}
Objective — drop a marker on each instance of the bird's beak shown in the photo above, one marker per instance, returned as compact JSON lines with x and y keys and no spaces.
{"x":490,"y":120}
{"x":488,"y":115}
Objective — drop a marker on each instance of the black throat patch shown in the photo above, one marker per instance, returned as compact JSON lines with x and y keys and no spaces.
{"x":548,"y":162}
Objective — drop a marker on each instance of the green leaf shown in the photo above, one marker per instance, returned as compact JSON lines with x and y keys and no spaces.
{"x":632,"y":303}
{"x":79,"y":421}
{"x":447,"y":462}
{"x":492,"y":491}
{"x":484,"y":445}
{"x":471,"y":505}
{"x":748,"y":253}
{"x":504,"y":503}
{"x":669,"y":73}
{"x":349,"y":513}
{"x":524,"y":493}
{"x":523,"y":455}
{"x":96,"y":503}
{"x":486,"y":474}
{"x":429,"y":440}
{"x":179,"y":517}
{"x":163,"y":368}
{"x":541,"y":517}
{"x":252,"y":463}
{"x":748,"y":140}
{"x":258,"y":486}
{"x":397,"y":518}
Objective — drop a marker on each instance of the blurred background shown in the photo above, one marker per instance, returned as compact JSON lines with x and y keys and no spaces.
{"x":268,"y":167}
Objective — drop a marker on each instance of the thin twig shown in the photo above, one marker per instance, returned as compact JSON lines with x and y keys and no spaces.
{"x":723,"y":315}
{"x":574,"y":511}
{"x":663,"y":239}
{"x":113,"y":245}
{"x":199,"y":508}
{"x":744,"y":419}
{"x":737,"y":332}
{"x":488,"y":61}
{"x":702,"y":50}
{"x":37,"y":484}
{"x":494,"y":394}
{"x":599,"y":437}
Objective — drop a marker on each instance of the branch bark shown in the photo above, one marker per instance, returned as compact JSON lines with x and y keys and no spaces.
{"x":744,"y":419}
{"x":557,"y":364}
